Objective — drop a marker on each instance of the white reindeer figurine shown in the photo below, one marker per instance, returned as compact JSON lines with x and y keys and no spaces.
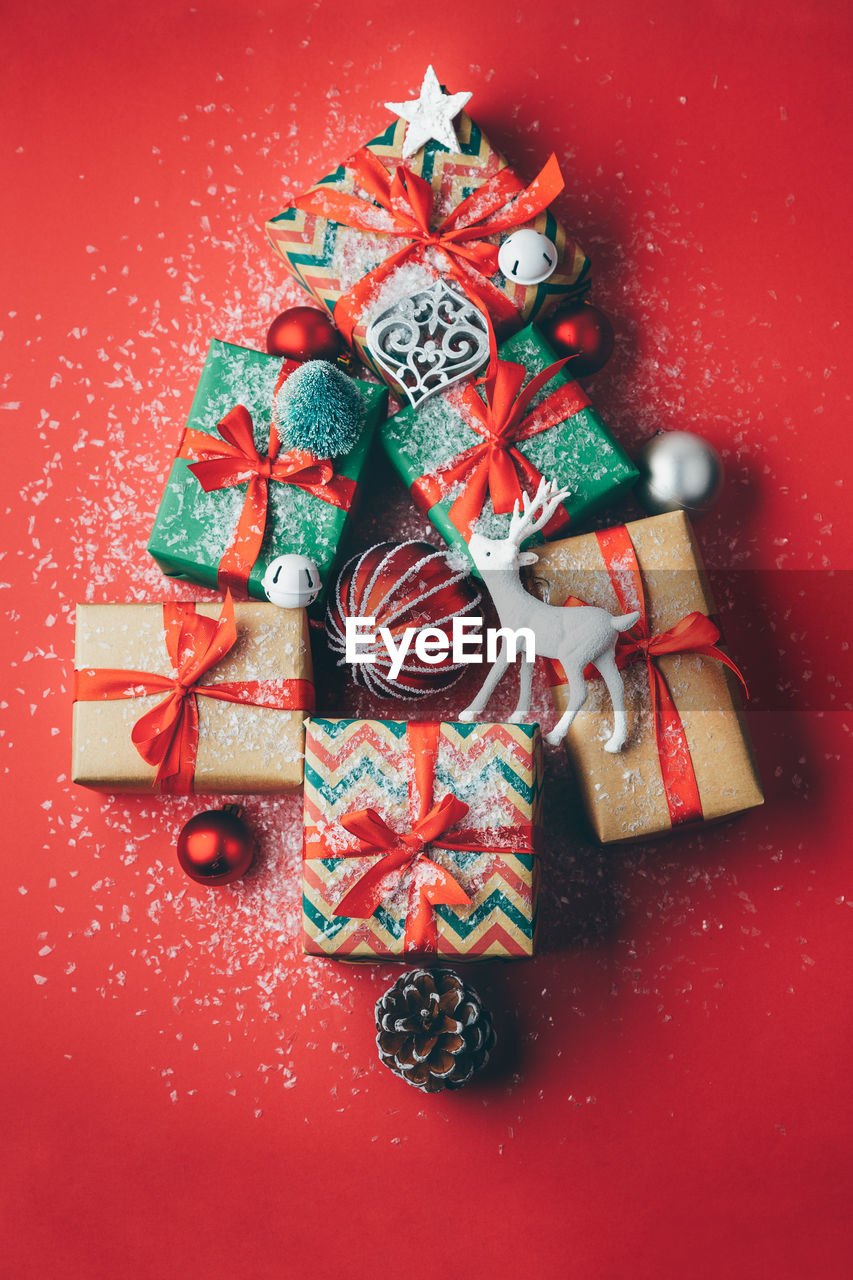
{"x":575,"y":636}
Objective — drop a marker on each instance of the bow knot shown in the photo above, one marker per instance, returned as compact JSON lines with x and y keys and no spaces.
{"x":694,"y":633}
{"x":502,"y":416}
{"x":375,"y":835}
{"x":402,"y":853}
{"x":231,"y":458}
{"x":234,"y":458}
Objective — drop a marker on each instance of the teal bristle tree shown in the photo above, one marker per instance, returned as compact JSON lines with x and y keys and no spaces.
{"x":318,"y":408}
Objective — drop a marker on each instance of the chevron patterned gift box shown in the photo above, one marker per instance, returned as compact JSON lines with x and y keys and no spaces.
{"x":382,"y":240}
{"x":420,"y":839}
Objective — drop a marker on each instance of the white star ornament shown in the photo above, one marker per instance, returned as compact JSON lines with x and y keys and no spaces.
{"x":430,"y":116}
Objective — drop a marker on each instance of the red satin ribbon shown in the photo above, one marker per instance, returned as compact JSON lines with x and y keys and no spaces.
{"x":404,"y":209}
{"x":233,"y":459}
{"x":496,"y":465}
{"x":694,"y":633}
{"x":167,"y":735}
{"x":404,"y":852}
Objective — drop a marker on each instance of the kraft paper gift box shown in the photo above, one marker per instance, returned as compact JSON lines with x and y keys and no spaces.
{"x":228,"y":729}
{"x":421,"y":839}
{"x":340,"y":243}
{"x":442,"y":450}
{"x":205,"y":537}
{"x":691,"y":761}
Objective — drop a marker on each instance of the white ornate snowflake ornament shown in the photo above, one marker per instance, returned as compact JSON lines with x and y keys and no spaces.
{"x":428,"y":340}
{"x":430,"y":116}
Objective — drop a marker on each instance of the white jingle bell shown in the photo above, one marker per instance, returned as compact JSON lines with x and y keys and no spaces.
{"x":678,"y":472}
{"x":527,"y":257}
{"x":291,"y":581}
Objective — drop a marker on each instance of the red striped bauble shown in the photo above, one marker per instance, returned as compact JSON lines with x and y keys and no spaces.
{"x":400,"y":584}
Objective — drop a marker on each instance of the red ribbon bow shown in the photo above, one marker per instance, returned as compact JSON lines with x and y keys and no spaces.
{"x":404,"y":853}
{"x":694,"y":633}
{"x":496,"y":465}
{"x":233,"y":459}
{"x":404,"y":209}
{"x":167,"y":735}
{"x":429,"y":883}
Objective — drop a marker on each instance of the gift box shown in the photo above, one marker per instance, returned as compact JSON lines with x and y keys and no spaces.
{"x":190,"y":697}
{"x":687,"y":756}
{"x":421,"y":839}
{"x":379,"y":228}
{"x":236,"y":496}
{"x":468,"y":453}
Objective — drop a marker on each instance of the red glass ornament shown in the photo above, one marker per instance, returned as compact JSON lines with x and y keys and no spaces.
{"x":216,"y":847}
{"x":584,"y":332}
{"x":401,"y":584}
{"x":303,"y":333}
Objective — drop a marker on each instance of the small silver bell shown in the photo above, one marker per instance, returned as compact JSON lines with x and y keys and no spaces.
{"x":291,"y":581}
{"x":527,"y":257}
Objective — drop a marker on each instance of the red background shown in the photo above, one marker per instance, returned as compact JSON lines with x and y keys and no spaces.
{"x":184,"y":1093}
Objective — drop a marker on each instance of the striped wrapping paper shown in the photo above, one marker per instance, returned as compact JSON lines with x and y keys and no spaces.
{"x":495,"y":768}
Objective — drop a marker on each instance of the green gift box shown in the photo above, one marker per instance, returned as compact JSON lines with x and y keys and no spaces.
{"x":298,"y":507}
{"x":461,"y":447}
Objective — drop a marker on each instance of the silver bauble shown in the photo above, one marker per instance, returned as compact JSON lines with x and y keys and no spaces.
{"x":678,"y":472}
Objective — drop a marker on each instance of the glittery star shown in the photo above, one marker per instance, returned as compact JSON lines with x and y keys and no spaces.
{"x":429,"y":116}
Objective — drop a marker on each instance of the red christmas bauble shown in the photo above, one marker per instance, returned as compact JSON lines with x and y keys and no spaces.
{"x":400,"y":584}
{"x":584,"y":332}
{"x":303,"y":333}
{"x":216,"y":847}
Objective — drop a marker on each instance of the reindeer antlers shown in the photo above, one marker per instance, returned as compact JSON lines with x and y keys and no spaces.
{"x":545,"y":500}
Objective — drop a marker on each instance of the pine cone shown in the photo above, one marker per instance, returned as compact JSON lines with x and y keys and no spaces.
{"x":433,"y":1031}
